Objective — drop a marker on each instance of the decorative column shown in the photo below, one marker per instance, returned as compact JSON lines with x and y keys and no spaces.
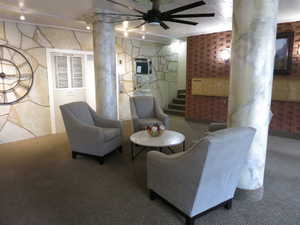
{"x":105,"y":67}
{"x":252,"y":65}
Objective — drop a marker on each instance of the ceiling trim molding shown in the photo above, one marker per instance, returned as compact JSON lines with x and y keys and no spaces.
{"x":204,"y":33}
{"x":279,"y":21}
{"x":81,"y":21}
{"x":86,"y":31}
{"x":45,"y":25}
{"x":32,"y":11}
{"x":287,"y":20}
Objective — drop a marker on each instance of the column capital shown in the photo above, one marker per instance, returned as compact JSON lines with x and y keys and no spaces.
{"x":100,"y":15}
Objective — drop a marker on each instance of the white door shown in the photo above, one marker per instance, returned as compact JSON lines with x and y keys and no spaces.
{"x":69,"y":83}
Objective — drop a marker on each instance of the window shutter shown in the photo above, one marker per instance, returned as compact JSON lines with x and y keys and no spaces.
{"x":76,"y":70}
{"x":61,"y":71}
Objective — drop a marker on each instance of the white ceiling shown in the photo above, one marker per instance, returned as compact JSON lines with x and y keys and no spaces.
{"x":68,"y":13}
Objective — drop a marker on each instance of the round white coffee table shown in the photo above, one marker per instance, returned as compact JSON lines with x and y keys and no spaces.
{"x":167,"y":139}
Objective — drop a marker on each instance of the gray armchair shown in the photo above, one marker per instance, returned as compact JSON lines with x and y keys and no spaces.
{"x":145,"y":110}
{"x":88,"y":133}
{"x":204,"y":177}
{"x":212,"y":127}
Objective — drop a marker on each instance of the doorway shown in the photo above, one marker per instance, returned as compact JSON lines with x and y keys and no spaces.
{"x":71,"y":79}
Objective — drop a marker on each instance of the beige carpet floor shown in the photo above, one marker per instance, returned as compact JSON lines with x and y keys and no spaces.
{"x":40,"y":184}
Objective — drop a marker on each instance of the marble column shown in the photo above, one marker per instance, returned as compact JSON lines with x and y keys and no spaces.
{"x":105,"y":67}
{"x":252,"y":64}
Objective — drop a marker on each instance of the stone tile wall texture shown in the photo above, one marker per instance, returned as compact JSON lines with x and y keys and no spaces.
{"x":203,"y":61}
{"x":31,"y":117}
{"x":162,"y":81}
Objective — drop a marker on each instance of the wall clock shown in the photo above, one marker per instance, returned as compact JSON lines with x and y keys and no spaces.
{"x":16,"y":75}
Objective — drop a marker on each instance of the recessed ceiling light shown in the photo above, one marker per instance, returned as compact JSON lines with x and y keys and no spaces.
{"x":125,"y":24}
{"x":225,"y":54}
{"x":154,"y":23}
{"x":21,"y":4}
{"x":22,"y":17}
{"x":88,"y":27}
{"x":143,"y":37}
{"x":125,"y":34}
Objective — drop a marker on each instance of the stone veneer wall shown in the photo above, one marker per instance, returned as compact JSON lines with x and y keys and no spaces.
{"x":163,"y":80}
{"x":31,"y":117}
{"x":203,"y":61}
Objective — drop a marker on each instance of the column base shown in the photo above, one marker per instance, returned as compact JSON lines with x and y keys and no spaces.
{"x":249,"y":195}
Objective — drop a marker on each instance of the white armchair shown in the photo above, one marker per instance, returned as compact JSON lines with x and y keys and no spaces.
{"x":203,"y":177}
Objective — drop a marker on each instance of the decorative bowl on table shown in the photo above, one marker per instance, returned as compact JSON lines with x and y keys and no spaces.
{"x":155,"y":130}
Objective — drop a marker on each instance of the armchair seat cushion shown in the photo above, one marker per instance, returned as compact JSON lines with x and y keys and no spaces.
{"x":149,"y":121}
{"x":111,"y":133}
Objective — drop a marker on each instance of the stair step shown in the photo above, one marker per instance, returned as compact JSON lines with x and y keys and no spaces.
{"x":177,"y":106}
{"x":181,"y":91}
{"x":179,"y":101}
{"x":181,"y":96}
{"x":175,"y":112}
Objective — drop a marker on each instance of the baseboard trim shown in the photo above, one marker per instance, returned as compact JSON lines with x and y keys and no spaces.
{"x":199,"y":121}
{"x":249,"y":195}
{"x":271,"y":132}
{"x":284,"y":134}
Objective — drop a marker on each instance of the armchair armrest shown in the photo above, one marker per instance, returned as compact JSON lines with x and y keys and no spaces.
{"x":161,"y":115}
{"x":216,"y":126}
{"x":134,"y":116}
{"x":105,"y":123}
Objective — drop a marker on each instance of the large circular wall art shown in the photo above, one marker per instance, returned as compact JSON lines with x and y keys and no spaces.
{"x":16,"y":75}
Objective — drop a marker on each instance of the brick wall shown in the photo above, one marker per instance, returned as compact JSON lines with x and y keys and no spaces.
{"x":203,"y":61}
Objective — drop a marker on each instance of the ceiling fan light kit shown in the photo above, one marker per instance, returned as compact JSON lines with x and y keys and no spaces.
{"x":156,"y":17}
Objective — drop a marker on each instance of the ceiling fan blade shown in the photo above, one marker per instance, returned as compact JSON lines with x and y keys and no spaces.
{"x":181,"y":21}
{"x":126,"y":6}
{"x":119,"y":14}
{"x":185,"y":7}
{"x":155,"y":4}
{"x":136,"y":19}
{"x":165,"y":26}
{"x":138,"y":26}
{"x":191,"y":15}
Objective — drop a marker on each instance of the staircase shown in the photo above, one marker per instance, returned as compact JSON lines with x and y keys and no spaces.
{"x":177,"y":107}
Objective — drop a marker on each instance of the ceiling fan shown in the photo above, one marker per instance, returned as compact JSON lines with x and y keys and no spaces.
{"x":155,"y":16}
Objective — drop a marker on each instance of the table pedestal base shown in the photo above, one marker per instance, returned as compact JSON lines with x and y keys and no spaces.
{"x":135,"y":154}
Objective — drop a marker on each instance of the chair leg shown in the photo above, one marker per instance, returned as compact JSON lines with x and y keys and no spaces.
{"x":120,"y":149}
{"x":152,"y":195}
{"x":228,"y":204}
{"x":101,"y":160}
{"x":74,"y":154}
{"x":189,"y":220}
